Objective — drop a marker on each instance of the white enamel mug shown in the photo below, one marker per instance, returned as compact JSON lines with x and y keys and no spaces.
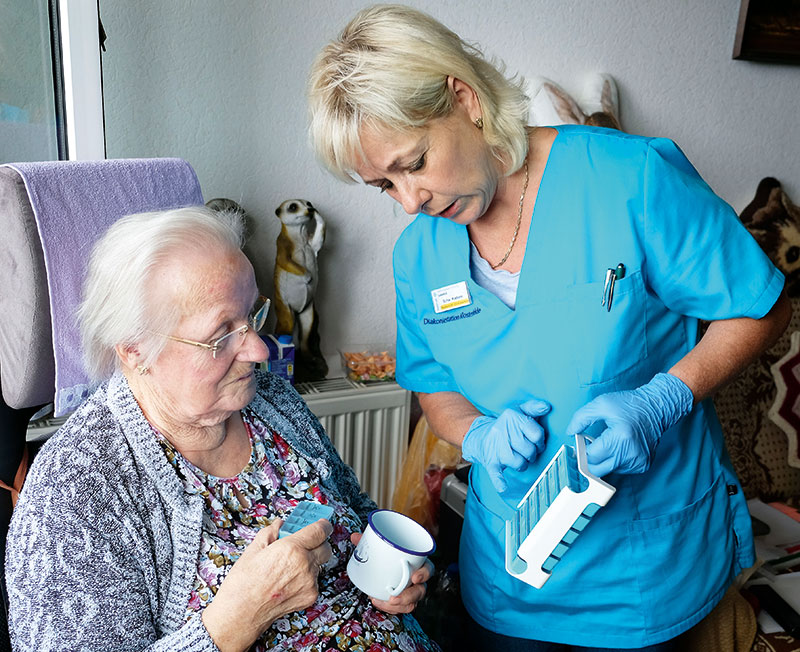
{"x":392,"y":547}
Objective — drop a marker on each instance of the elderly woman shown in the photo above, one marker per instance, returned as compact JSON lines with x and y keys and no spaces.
{"x":551,"y":284}
{"x":150,"y":520}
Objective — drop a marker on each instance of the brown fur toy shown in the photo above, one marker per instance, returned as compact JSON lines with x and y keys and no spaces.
{"x":300,"y":240}
{"x":774,"y":221}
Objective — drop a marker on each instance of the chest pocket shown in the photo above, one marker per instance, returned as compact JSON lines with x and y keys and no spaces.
{"x":608,"y":343}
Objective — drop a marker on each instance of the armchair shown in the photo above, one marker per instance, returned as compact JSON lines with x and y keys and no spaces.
{"x":50,"y":216}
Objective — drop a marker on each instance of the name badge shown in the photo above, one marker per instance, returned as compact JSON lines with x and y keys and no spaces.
{"x":451,"y":297}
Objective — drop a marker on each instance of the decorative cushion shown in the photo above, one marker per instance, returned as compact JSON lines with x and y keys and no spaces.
{"x":758,"y":447}
{"x":785,"y":411}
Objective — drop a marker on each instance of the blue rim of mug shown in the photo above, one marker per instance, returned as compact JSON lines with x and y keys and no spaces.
{"x":392,"y":543}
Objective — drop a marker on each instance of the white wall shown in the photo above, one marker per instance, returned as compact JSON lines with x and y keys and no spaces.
{"x":222,"y":85}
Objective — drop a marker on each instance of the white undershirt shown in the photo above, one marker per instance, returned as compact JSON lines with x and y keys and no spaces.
{"x":499,"y":282}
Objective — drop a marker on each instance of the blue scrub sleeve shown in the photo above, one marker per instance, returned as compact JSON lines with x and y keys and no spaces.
{"x":700,"y":260}
{"x":417,"y":369}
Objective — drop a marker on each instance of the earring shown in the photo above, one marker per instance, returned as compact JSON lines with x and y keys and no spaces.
{"x":142,"y":369}
{"x":478,"y":122}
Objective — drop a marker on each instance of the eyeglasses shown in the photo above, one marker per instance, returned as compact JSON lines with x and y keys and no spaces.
{"x":256,"y":321}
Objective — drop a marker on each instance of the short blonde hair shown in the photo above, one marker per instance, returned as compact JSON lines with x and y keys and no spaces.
{"x":115,"y":307}
{"x":389,"y":68}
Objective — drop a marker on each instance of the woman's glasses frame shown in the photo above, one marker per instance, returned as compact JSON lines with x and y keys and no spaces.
{"x":255,"y":321}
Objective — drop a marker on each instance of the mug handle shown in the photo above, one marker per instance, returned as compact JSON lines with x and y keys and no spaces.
{"x":404,"y":578}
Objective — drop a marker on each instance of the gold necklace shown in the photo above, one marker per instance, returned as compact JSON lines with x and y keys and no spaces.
{"x":519,"y":218}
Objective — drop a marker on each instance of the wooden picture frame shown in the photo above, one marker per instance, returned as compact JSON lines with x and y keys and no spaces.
{"x":768,"y":30}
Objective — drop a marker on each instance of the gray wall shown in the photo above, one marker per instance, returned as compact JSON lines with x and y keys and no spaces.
{"x":222,"y":85}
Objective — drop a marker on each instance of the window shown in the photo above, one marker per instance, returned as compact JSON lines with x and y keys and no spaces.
{"x":51,"y":104}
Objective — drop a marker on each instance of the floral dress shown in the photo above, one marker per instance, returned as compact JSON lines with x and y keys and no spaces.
{"x":272,"y":483}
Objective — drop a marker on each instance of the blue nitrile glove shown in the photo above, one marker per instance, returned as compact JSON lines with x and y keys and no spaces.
{"x":635,"y":420}
{"x":511,"y":440}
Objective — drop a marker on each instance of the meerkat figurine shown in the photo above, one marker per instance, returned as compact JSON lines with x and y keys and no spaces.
{"x":301,"y":237}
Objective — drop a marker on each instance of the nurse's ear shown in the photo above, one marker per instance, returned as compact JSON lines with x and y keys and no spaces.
{"x":466,"y":98}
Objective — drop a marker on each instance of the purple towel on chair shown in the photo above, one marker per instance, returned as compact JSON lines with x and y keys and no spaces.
{"x":74,"y":202}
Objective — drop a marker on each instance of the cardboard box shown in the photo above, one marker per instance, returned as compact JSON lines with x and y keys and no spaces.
{"x":281,"y":356}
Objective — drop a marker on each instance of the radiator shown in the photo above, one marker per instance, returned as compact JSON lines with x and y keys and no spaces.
{"x":367,"y":422}
{"x":368,"y":425}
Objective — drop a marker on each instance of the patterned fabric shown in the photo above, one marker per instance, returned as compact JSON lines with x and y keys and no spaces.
{"x":104,"y":541}
{"x":270,"y":486}
{"x":758,"y":447}
{"x":778,"y":642}
{"x":785,"y":411}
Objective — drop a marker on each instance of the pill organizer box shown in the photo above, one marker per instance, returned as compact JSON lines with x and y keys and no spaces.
{"x":303,"y":514}
{"x":554,"y":511}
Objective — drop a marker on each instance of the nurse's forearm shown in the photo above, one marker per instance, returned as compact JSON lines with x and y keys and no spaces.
{"x":449,"y":415}
{"x":728,"y":346}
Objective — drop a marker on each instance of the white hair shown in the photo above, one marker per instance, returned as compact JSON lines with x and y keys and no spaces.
{"x":116,"y":309}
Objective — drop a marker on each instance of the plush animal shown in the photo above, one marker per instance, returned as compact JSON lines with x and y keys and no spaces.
{"x":774,"y":221}
{"x":299,"y":242}
{"x":552,"y":105}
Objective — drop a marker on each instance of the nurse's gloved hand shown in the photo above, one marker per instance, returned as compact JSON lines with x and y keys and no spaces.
{"x":635,"y":421}
{"x":511,"y":440}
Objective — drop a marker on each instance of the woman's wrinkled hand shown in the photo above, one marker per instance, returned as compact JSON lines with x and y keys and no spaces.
{"x":407,"y":600}
{"x":272,"y":577}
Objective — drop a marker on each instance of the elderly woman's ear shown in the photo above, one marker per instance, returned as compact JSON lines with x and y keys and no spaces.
{"x":129,"y":356}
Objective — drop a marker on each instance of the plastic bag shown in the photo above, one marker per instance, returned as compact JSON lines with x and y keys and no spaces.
{"x":418,"y":489}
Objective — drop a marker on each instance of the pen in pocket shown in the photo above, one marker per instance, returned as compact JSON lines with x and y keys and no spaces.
{"x":612,"y":276}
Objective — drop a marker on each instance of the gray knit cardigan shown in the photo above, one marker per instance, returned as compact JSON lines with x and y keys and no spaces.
{"x":104,"y":541}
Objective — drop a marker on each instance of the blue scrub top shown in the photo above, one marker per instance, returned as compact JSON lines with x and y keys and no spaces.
{"x":661,"y":554}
